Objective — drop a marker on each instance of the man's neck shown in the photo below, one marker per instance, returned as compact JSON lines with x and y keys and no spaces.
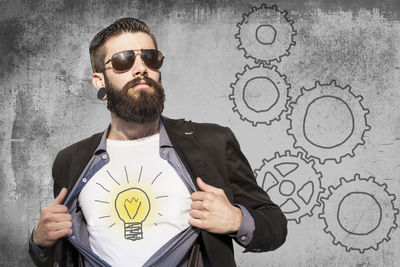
{"x":123,"y":130}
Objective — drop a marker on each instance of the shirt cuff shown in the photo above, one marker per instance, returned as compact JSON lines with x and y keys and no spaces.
{"x":247,"y":227}
{"x":40,"y":254}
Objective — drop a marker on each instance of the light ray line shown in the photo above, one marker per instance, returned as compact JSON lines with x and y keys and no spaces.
{"x":112,"y":177}
{"x":156,"y":177}
{"x":107,"y":216}
{"x":111,"y":225}
{"x":140,"y":174}
{"x":101,"y":201}
{"x":103,"y":187}
{"x":126,"y":174}
{"x":160,"y":197}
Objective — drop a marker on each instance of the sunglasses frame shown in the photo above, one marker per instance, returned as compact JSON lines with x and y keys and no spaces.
{"x":134,"y":58}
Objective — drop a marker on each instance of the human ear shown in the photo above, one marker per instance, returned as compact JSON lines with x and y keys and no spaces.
{"x":99,"y":83}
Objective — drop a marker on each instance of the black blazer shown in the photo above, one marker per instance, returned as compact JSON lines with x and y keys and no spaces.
{"x":208,"y":151}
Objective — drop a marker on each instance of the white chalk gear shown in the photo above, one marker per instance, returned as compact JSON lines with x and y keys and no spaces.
{"x":292,"y":183}
{"x":298,"y":113}
{"x":277,"y":23}
{"x":270,"y":114}
{"x":357,"y":241}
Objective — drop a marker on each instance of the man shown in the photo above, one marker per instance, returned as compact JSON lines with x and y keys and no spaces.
{"x":150,"y":190}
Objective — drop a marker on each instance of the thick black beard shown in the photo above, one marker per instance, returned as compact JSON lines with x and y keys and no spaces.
{"x":144,"y":107}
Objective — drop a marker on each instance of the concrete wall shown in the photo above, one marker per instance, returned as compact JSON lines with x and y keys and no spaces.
{"x":245,"y":72}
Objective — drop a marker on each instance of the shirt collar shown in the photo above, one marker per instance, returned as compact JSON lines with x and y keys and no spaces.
{"x":164,"y":139}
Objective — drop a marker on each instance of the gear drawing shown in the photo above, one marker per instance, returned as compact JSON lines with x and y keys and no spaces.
{"x":260,"y":94}
{"x":359,"y":214}
{"x":265,"y":34}
{"x":292,"y":183}
{"x":324,"y":136}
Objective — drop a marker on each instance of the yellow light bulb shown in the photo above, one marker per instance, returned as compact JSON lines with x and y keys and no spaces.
{"x":132,"y":206}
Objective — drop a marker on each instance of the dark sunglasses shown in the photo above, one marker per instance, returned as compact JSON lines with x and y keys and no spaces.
{"x":124,"y":60}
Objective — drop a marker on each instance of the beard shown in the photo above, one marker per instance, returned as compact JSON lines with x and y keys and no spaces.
{"x":142,"y":106}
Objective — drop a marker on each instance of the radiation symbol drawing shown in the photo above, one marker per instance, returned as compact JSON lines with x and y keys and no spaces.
{"x":292,"y":183}
{"x":260,"y":94}
{"x":265,"y":34}
{"x":328,"y":122}
{"x":130,"y":202}
{"x":359,"y":213}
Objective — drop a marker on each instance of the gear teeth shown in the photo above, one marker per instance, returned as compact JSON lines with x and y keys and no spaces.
{"x":338,"y":160}
{"x":352,"y":241}
{"x":331,"y":189}
{"x":305,"y":169}
{"x":305,"y":98}
{"x":260,"y":117}
{"x":256,"y":49}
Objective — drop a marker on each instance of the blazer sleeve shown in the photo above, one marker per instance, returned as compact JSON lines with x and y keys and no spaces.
{"x":44,"y":256}
{"x":270,"y":223}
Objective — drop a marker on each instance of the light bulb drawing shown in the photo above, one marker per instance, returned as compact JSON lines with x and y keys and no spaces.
{"x":132,"y":206}
{"x":129,"y":203}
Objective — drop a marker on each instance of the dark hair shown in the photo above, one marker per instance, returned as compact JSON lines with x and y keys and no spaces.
{"x":96,"y":48}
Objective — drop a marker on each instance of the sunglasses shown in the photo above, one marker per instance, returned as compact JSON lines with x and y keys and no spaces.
{"x":123,"y":61}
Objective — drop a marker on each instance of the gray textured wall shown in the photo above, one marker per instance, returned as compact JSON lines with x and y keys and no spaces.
{"x":299,"y":142}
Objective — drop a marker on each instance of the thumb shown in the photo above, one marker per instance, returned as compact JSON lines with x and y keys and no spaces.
{"x":59,"y":199}
{"x":206,"y":187}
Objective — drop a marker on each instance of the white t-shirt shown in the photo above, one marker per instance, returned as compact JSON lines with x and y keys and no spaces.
{"x":134,"y":204}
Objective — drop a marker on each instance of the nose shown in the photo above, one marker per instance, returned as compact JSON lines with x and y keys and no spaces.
{"x":139,"y":68}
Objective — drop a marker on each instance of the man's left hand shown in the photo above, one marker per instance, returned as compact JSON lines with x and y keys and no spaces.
{"x":212,"y":211}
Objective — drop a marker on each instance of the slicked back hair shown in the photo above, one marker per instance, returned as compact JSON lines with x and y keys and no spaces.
{"x":124,"y":25}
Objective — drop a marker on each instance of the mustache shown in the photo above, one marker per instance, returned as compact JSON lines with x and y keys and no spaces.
{"x":137,"y":80}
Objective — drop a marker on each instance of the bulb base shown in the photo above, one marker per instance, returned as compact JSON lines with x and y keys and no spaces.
{"x":133,"y":231}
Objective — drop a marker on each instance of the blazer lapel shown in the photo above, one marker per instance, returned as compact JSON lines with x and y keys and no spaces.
{"x":183,"y":138}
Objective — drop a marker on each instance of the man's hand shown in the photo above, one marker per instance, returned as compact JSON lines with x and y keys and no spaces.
{"x":54,"y":222}
{"x":212,"y":211}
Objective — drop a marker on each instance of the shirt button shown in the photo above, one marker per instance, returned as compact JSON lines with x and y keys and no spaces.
{"x":84,"y":180}
{"x":104,"y":157}
{"x":243,"y":238}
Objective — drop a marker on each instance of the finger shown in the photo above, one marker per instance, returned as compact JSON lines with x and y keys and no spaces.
{"x":197,"y":214}
{"x":56,"y":208}
{"x":57,"y":226}
{"x":206,"y":187}
{"x":199,"y":196}
{"x":61,"y":217}
{"x":50,"y":218}
{"x":60,"y":233}
{"x":197,"y":205}
{"x":196,"y":223}
{"x":59,"y":199}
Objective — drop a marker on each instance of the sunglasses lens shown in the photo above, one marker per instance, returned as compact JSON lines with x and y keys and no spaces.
{"x":152,"y":58}
{"x":123,"y":61}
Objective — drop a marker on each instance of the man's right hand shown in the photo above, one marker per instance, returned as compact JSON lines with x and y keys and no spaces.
{"x":54,"y":222}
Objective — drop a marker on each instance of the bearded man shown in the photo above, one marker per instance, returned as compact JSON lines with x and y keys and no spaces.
{"x":149,"y":190}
